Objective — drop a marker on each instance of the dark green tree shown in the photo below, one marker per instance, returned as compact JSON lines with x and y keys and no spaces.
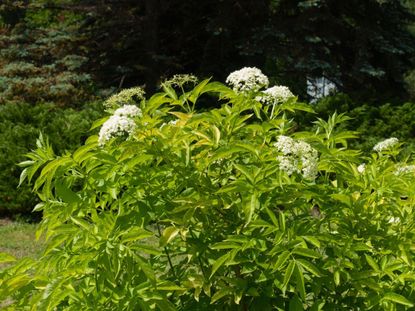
{"x":363,"y":46}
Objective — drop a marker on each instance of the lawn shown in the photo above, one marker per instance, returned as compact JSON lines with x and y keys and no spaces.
{"x":18,"y":239}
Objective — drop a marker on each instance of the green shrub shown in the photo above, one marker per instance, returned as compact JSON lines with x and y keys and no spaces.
{"x":20,"y":125}
{"x":374,"y":123}
{"x":172,"y":209}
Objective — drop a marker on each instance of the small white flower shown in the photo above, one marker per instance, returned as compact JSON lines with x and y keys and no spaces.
{"x":275,"y":94}
{"x":130,"y":111}
{"x":385,"y":144}
{"x":115,"y":126}
{"x":394,"y":220}
{"x":247,"y":79}
{"x":298,"y":156}
{"x":361,"y":168}
{"x":406,"y":169}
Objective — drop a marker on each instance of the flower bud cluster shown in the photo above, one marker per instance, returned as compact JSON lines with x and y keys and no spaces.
{"x":125,"y":97}
{"x":119,"y":124}
{"x":297,"y":157}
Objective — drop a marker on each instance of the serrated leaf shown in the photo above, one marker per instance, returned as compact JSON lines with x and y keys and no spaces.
{"x":287,"y":276}
{"x":372,"y":262}
{"x":168,"y":234}
{"x":225,"y":245}
{"x":305,"y":252}
{"x":66,"y":194}
{"x":250,"y":208}
{"x":310,"y":267}
{"x":282,"y":258}
{"x":135,"y":234}
{"x":245,"y":171}
{"x":299,"y":279}
{"x":336,"y":277}
{"x":281,"y":219}
{"x":312,"y":240}
{"x":220,"y":294}
{"x":219,"y":262}
{"x":272,"y":216}
{"x":394,"y":297}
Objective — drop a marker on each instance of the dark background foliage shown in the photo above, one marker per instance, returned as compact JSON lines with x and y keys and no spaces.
{"x":365,"y":47}
{"x":20,"y":126}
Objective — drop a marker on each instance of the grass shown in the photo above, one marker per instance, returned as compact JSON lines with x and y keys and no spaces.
{"x":18,"y":239}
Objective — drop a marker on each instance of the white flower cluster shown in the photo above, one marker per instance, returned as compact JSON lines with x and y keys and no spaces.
{"x":130,"y":111}
{"x":298,"y":156}
{"x":275,"y":94}
{"x":247,"y":79}
{"x":385,"y":144}
{"x":406,"y":169}
{"x":170,"y":123}
{"x":119,"y":124}
{"x":361,"y":168}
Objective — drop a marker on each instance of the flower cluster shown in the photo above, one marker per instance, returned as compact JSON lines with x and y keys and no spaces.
{"x":130,"y":111}
{"x":181,"y":79}
{"x":361,"y":168}
{"x":125,"y":97}
{"x":297,"y":157}
{"x":406,"y":169}
{"x":385,"y":144}
{"x":275,"y":94}
{"x":247,"y":79}
{"x":119,"y":124}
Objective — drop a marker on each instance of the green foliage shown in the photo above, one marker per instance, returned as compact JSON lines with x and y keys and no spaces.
{"x":42,"y":58}
{"x":20,"y":125}
{"x":196,"y":211}
{"x":374,"y":123}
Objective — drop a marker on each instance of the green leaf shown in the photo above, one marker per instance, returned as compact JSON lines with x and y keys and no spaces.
{"x":343,"y":198}
{"x":146,"y":268}
{"x":310,"y":267}
{"x":312,"y":240}
{"x":299,"y":278}
{"x":281,"y":217}
{"x":398,"y":299}
{"x":4,"y":257}
{"x":168,"y":235}
{"x":245,"y":171}
{"x":250,"y":208}
{"x":169,"y":286}
{"x":282,"y":258}
{"x":305,"y":252}
{"x":271,"y":215}
{"x":336,"y":277}
{"x":219,"y":262}
{"x":287,"y":275}
{"x":220,"y":294}
{"x":135,"y":234}
{"x":98,"y":123}
{"x":295,"y":304}
{"x":169,"y":91}
{"x":82,"y":223}
{"x":372,"y":262}
{"x":225,"y":245}
{"x":66,"y":194}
